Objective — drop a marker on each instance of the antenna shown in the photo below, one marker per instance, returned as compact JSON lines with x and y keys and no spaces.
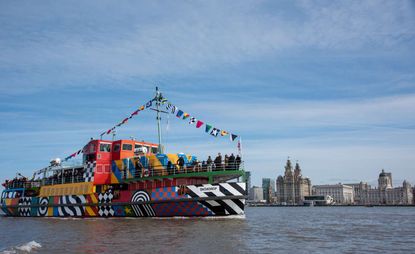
{"x":158,"y":99}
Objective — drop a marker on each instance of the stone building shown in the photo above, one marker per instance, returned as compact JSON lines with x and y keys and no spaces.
{"x":341,"y":193}
{"x":384,"y":194}
{"x":292,"y":187}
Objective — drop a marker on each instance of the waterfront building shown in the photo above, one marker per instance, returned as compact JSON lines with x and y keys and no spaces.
{"x":360,"y":192}
{"x":341,"y":193}
{"x":256,"y":194}
{"x":292,"y":187}
{"x":385,"y":193}
{"x":268,"y":189}
{"x":248,"y":181}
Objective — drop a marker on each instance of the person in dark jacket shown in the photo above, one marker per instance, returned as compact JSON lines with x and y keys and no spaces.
{"x":218,"y":161}
{"x":180,"y":162}
{"x":237,"y":162}
{"x":232,"y":162}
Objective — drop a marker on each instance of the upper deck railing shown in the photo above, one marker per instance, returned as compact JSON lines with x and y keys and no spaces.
{"x":76,"y":174}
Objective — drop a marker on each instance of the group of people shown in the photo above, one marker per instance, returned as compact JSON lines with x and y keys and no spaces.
{"x":17,"y":182}
{"x":231,"y":162}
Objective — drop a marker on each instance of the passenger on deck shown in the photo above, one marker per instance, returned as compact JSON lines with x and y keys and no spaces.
{"x":226,"y":162}
{"x":232,"y":162}
{"x":237,"y":162}
{"x":218,"y":162}
{"x":180,"y":162}
{"x":209,"y":163}
{"x":138,"y":167}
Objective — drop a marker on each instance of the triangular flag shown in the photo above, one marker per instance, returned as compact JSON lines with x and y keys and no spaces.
{"x":192,"y":120}
{"x":179,"y":113}
{"x":149,"y":104}
{"x":215,"y":132}
{"x":174,"y":109}
{"x":233,"y":137}
{"x":168,"y":107}
{"x":124,"y":121}
{"x":79,"y":152}
{"x":102,"y":134}
{"x":224,"y":133}
{"x":109,"y":131}
{"x":185,"y":115}
{"x":135,"y":112}
{"x":208,"y":127}
{"x":141,"y":108}
{"x":199,"y":124}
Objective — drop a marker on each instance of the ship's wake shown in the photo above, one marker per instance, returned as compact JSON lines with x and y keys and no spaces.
{"x":24,"y":248}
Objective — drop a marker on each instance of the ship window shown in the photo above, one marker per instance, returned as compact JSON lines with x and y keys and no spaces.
{"x":92,"y":148}
{"x":116,"y":147}
{"x":105,"y":147}
{"x":154,"y":150}
{"x":127,"y":147}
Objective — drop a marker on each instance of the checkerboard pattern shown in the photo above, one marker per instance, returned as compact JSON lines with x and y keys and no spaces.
{"x":89,"y":171}
{"x":166,"y":193}
{"x":191,"y":208}
{"x":105,"y":210}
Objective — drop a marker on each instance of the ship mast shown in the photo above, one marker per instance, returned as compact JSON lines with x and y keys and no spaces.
{"x":158,"y":118}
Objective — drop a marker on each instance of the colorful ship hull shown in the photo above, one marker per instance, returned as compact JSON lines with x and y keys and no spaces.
{"x":221,"y":199}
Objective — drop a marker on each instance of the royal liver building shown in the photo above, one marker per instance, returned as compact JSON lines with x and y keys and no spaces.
{"x":292,"y":187}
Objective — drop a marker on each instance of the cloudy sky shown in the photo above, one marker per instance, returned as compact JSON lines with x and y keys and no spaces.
{"x":328,"y":83}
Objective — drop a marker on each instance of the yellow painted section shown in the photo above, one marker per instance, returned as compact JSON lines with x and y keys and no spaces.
{"x":89,"y":211}
{"x":113,"y":178}
{"x":66,"y":189}
{"x":93,"y":198}
{"x":50,"y":211}
{"x":173,"y":158}
{"x":119,"y":164}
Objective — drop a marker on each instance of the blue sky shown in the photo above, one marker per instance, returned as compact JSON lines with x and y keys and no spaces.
{"x":328,"y":83}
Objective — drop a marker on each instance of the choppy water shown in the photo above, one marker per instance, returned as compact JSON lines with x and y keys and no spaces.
{"x":264,"y":230}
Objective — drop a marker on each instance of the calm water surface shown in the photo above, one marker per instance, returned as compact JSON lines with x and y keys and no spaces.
{"x":264,"y":230}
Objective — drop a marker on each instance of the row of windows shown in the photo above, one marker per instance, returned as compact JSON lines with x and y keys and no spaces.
{"x":125,"y":147}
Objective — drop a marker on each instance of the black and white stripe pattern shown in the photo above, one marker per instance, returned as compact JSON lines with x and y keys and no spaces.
{"x":105,"y":210}
{"x":142,"y":210}
{"x":89,"y":168}
{"x":24,"y":211}
{"x":225,"y":205}
{"x":43,"y":209}
{"x":71,"y":210}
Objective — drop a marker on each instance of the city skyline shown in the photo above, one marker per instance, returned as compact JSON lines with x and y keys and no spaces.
{"x":328,"y":84}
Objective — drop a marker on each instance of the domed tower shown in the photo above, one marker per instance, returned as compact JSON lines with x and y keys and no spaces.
{"x":385,"y":180}
{"x":289,"y":186}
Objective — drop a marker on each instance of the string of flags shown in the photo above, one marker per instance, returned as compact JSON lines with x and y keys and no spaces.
{"x":125,"y":120}
{"x":209,"y":128}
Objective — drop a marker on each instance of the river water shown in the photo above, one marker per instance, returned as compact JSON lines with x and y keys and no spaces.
{"x":263,"y":230}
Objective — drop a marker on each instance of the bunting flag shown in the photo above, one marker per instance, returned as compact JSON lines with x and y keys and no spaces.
{"x":224,"y":133}
{"x":208,"y":127}
{"x":168,"y":107}
{"x":185,"y":115}
{"x":141,"y":108}
{"x":179,"y":114}
{"x":148,"y":104}
{"x":135,"y":112}
{"x":233,"y":137}
{"x":124,"y":121}
{"x":73,"y":155}
{"x":192,"y":120}
{"x":109,"y":131}
{"x":174,"y":109}
{"x":215,"y":132}
{"x":199,"y":124}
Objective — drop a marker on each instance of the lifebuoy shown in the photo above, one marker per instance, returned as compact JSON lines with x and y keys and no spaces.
{"x":146,"y":173}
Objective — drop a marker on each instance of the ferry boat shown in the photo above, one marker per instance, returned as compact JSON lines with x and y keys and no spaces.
{"x":129,"y":178}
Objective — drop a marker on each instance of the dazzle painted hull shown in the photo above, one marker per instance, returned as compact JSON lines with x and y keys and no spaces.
{"x":221,"y":199}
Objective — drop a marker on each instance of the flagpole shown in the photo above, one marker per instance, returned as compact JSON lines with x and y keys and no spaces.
{"x":158,"y":95}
